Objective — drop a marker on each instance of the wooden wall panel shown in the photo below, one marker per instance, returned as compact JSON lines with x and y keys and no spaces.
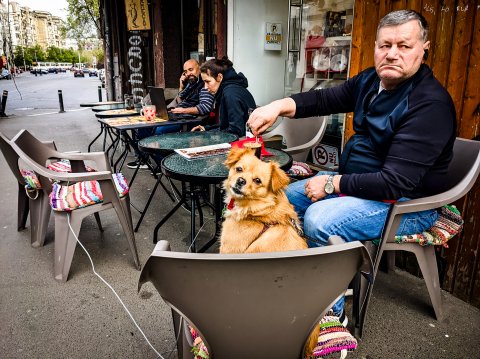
{"x":455,"y":60}
{"x":470,"y":116}
{"x":460,"y":48}
{"x":441,"y":45}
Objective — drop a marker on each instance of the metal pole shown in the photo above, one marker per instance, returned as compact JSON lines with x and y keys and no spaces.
{"x":99,"y":93}
{"x":4,"y":103}
{"x":60,"y":99}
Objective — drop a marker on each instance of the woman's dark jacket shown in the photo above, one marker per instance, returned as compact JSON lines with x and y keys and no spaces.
{"x":403,"y":138}
{"x":232,"y":101}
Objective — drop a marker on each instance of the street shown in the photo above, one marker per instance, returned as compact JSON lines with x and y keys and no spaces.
{"x":30,"y":94}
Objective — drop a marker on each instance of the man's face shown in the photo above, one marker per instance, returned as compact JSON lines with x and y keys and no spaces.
{"x":399,"y":53}
{"x":191,"y":70}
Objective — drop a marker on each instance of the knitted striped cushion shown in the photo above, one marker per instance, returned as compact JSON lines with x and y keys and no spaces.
{"x":65,"y":166}
{"x":448,"y":224}
{"x":333,"y":338}
{"x":31,"y":179}
{"x":83,"y":194}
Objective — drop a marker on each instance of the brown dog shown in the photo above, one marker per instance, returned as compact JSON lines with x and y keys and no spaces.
{"x":259,"y":217}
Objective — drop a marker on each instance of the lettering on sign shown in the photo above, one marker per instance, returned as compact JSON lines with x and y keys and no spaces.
{"x":135,"y":66}
{"x":324,"y":155}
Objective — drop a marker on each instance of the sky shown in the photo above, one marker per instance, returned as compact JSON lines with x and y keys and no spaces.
{"x":55,"y":7}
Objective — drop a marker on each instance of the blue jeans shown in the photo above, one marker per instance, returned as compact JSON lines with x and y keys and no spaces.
{"x":352,"y":218}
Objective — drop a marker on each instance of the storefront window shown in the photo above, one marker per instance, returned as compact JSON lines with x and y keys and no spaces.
{"x":319,"y":42}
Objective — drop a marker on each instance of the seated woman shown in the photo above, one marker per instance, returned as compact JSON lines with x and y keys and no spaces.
{"x":232,"y":99}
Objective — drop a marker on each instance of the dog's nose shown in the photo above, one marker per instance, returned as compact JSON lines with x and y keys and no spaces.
{"x":241,"y":182}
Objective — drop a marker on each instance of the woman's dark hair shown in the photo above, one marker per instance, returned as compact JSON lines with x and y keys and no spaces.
{"x":214,"y":67}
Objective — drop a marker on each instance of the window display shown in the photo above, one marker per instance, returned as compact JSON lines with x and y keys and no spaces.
{"x":319,"y":42}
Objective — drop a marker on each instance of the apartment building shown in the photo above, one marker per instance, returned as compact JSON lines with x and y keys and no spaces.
{"x":22,"y":26}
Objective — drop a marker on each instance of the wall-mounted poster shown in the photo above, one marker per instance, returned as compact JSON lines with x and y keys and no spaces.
{"x":273,"y":36}
{"x":137,"y":15}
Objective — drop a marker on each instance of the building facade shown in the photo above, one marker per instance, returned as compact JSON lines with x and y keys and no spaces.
{"x":22,"y":26}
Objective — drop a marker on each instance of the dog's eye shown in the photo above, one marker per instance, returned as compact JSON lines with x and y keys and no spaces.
{"x":257,"y":180}
{"x":239,"y":169}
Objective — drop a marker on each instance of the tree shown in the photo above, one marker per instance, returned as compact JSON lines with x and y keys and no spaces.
{"x":83,"y":20}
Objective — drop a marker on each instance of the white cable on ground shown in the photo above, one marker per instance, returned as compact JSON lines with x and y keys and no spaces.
{"x":113,"y":290}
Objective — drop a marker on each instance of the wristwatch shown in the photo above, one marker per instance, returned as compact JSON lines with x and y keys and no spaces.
{"x":329,"y":187}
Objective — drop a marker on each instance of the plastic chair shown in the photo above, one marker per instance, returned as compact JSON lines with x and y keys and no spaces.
{"x":463,"y":171}
{"x":300,"y":135}
{"x":39,"y":207}
{"x":261,"y":305}
{"x":35,"y":154}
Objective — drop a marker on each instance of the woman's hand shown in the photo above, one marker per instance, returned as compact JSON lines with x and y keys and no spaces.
{"x":198,"y":128}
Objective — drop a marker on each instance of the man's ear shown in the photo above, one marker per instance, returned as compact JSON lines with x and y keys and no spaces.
{"x":219,"y":78}
{"x":426,"y":46}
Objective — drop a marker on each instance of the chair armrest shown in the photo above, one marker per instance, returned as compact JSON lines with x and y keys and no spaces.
{"x":100,"y":158}
{"x":161,"y":246}
{"x":332,"y":240}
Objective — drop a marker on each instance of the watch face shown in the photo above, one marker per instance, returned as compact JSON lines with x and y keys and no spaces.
{"x":329,"y":188}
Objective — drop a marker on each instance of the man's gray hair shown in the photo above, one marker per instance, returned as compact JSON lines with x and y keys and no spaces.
{"x":401,"y":17}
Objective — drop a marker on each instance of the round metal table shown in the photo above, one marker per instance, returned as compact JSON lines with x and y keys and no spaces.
{"x":117,"y":113}
{"x":165,"y":144}
{"x":112,"y":106}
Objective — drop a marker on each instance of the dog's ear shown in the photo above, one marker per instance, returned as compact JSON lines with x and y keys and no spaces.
{"x":279,"y":179}
{"x":234,"y":156}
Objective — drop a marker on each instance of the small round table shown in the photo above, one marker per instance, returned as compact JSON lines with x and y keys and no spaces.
{"x":205,"y":171}
{"x":97,"y":103}
{"x":165,"y":144}
{"x":112,"y":106}
{"x":117,"y":113}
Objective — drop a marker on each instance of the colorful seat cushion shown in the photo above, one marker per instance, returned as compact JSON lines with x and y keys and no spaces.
{"x":448,"y":224}
{"x":31,"y":179}
{"x":300,"y":169}
{"x":333,"y":338}
{"x":65,"y":166}
{"x":83,"y":194}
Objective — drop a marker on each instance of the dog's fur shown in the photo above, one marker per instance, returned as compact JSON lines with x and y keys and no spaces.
{"x":262,"y":219}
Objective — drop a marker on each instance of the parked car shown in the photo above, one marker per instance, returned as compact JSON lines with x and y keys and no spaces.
{"x":92,"y":72}
{"x":5,"y":74}
{"x":39,"y":71}
{"x":78,"y":73}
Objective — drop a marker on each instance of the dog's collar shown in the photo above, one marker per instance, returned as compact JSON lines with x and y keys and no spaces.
{"x":231,"y":204}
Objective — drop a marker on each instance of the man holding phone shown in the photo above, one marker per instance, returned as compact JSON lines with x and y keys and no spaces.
{"x":192,"y":97}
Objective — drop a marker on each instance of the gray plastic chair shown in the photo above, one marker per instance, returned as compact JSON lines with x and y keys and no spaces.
{"x":300,"y":135}
{"x":261,"y":305}
{"x":35,"y":155}
{"x":39,"y":207}
{"x":463,"y":171}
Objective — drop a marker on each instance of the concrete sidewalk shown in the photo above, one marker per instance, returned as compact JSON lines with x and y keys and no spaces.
{"x":40,"y":318}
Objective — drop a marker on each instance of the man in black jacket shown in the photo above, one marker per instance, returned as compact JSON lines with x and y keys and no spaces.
{"x":404,"y":122}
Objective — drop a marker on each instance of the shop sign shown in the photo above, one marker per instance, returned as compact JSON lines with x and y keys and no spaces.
{"x":325,"y":156}
{"x":137,"y":15}
{"x":273,"y":36}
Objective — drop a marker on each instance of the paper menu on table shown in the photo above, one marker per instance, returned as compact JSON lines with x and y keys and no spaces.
{"x":204,"y":151}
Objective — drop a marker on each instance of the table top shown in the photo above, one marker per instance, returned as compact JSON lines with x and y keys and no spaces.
{"x":136,"y":122}
{"x":91,"y":104}
{"x":211,"y":170}
{"x":168,"y":142}
{"x":112,"y":106}
{"x":117,"y":113}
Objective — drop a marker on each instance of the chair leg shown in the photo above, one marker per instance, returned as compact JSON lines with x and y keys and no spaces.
{"x":428,"y":265}
{"x":23,"y":208}
{"x":39,"y":217}
{"x":65,"y":243}
{"x":99,"y":222}
{"x":122,"y":208}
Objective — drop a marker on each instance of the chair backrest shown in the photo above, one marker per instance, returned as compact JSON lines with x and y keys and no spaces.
{"x":466,"y":158}
{"x":261,"y":305}
{"x":11,"y":157}
{"x":300,"y":135}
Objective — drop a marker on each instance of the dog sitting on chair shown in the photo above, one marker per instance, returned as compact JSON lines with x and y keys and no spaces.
{"x":259,"y":217}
